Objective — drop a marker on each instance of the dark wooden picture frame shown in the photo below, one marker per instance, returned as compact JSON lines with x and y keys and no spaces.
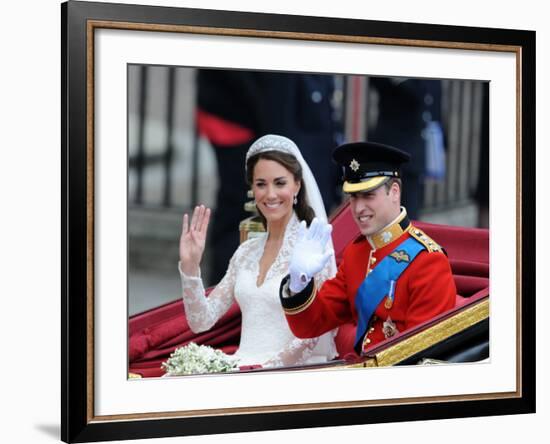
{"x":79,"y":22}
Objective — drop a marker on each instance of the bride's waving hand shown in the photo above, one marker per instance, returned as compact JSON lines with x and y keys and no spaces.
{"x":193,"y":240}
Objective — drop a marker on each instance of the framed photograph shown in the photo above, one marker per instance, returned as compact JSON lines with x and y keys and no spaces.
{"x":135,"y":157}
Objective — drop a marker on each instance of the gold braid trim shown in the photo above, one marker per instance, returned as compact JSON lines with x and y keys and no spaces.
{"x":305,"y":305}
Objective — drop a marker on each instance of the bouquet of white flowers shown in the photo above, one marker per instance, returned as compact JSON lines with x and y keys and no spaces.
{"x":194,"y":359}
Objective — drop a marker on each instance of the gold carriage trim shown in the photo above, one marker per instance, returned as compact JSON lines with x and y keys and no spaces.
{"x":431,"y":245}
{"x":429,"y":337}
{"x":305,"y":305}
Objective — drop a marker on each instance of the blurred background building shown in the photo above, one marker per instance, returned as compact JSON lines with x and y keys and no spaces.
{"x":189,"y":129}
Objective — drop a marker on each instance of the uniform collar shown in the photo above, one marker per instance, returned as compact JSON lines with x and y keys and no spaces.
{"x":390,"y":232}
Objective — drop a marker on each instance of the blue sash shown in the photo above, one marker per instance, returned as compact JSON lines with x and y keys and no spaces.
{"x":381,"y":282}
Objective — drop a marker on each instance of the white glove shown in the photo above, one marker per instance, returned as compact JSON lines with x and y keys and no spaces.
{"x":309,"y":256}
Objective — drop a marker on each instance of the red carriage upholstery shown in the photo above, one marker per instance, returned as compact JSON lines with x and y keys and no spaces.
{"x":153,"y":335}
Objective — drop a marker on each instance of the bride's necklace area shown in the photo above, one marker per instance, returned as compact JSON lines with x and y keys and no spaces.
{"x":270,"y":253}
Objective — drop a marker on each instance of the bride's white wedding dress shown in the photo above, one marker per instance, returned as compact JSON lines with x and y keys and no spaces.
{"x":265,"y":336}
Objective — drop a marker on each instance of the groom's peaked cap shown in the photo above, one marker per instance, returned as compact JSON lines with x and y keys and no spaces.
{"x":368,"y":165}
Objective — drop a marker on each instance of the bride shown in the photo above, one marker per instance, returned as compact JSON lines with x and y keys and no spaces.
{"x":285,"y":193}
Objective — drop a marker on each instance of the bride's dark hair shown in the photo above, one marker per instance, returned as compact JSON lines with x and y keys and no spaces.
{"x":302,"y":208}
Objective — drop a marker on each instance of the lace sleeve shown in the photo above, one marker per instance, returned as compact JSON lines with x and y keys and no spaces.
{"x":296,"y":352}
{"x":201,"y":311}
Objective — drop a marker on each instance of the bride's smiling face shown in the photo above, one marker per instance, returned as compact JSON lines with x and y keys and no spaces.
{"x":274,"y":189}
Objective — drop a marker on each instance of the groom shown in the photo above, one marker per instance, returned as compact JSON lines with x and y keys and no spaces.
{"x":390,"y":279}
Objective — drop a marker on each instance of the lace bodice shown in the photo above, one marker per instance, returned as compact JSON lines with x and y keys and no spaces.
{"x":265,"y":336}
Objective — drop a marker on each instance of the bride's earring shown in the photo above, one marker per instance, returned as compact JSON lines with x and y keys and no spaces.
{"x":295,"y":199}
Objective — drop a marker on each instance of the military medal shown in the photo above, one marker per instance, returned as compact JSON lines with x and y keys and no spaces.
{"x":389,"y":328}
{"x":389,"y":298}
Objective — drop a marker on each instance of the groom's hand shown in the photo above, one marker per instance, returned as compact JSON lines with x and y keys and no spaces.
{"x":309,"y":255}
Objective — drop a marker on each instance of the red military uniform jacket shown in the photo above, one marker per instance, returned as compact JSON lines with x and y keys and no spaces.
{"x":425,"y":289}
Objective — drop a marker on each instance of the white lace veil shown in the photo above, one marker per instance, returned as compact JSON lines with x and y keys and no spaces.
{"x":272,"y":142}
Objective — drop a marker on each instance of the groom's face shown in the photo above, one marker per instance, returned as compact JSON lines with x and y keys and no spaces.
{"x":373,"y":210}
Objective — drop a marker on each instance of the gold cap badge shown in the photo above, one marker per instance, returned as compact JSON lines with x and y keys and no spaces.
{"x":354,"y":165}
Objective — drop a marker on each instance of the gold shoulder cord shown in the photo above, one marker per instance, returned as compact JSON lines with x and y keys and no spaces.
{"x":431,"y":245}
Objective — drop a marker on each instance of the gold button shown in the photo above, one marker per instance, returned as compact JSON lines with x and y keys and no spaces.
{"x":371,"y":330}
{"x":372,"y":260}
{"x":367,"y":341}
